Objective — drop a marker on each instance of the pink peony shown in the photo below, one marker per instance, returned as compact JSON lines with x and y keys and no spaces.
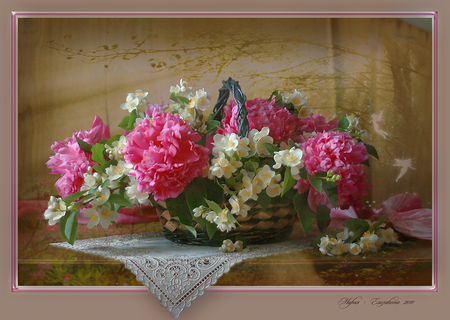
{"x":405,"y":213}
{"x":165,"y":155}
{"x":261,"y":113}
{"x":335,"y":151}
{"x":72,"y":162}
{"x":316,"y":123}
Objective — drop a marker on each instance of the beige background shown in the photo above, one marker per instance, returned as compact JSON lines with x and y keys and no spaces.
{"x":72,"y":69}
{"x":245,"y":305}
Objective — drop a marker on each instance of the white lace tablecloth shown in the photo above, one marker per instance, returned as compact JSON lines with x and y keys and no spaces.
{"x":176,"y":274}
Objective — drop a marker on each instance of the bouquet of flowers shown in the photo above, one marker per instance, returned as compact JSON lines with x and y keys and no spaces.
{"x":207,"y":171}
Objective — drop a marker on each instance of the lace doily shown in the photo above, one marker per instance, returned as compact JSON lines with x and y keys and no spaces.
{"x":176,"y":274}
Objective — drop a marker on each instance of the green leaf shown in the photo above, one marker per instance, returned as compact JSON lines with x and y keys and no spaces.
{"x":358,"y":226}
{"x":86,"y":147}
{"x":291,"y":143}
{"x":263,"y":199}
{"x":343,"y":123}
{"x":132,"y":119}
{"x":113,"y":139}
{"x":366,"y":162}
{"x":303,"y":173}
{"x":214,"y":206}
{"x":211,"y":229}
{"x":214,"y":191}
{"x":178,"y":207}
{"x":73,"y":196}
{"x":68,"y":225}
{"x":278,"y":98}
{"x":305,"y":214}
{"x":249,"y":166}
{"x":189,"y":227}
{"x":375,"y":226}
{"x":321,"y":174}
{"x":288,"y":182}
{"x":195,"y":195}
{"x":371,"y":150}
{"x":271,"y":148}
{"x":315,"y":182}
{"x":120,"y":200}
{"x":323,"y":217}
{"x":97,"y":153}
{"x":331,"y":191}
{"x":124,"y":123}
{"x":211,"y":126}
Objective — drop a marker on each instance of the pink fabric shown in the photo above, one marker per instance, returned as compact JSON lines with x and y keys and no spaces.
{"x":405,"y":213}
{"x":165,"y":155}
{"x":72,"y":162}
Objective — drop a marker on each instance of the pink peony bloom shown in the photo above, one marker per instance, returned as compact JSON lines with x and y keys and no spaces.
{"x":405,"y":213}
{"x":165,"y":155}
{"x":261,"y":113}
{"x":72,"y":162}
{"x":316,"y":123}
{"x":335,"y":151}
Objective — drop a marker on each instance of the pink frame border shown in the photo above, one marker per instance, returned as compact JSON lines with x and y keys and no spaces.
{"x":344,"y":14}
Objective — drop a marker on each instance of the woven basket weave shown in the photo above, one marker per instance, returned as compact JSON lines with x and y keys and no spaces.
{"x":274,"y":224}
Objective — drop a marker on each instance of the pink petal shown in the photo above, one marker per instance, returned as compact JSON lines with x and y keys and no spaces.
{"x":338,"y":213}
{"x":414,"y":223}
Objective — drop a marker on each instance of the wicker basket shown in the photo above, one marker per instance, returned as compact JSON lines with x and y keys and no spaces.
{"x":274,"y":224}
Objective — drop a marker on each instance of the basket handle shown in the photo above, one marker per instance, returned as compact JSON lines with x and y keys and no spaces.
{"x":242,"y":122}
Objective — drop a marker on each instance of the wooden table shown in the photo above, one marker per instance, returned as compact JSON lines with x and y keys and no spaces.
{"x":41,"y":264}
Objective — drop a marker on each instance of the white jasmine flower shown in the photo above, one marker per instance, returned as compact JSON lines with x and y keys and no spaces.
{"x":388,"y":236}
{"x":106,"y":215}
{"x":238,"y":207}
{"x":264,"y":175}
{"x":288,"y":158}
{"x":231,"y":143}
{"x":93,"y":216}
{"x":354,"y":249}
{"x":353,"y":122}
{"x":182,"y":90}
{"x":90,"y":182}
{"x":224,"y":220}
{"x":132,"y":192}
{"x":117,"y":171}
{"x":307,"y":135}
{"x":227,"y":246}
{"x":131,"y":103}
{"x":221,"y":166}
{"x":239,"y":245}
{"x":56,"y":209}
{"x":304,"y":112}
{"x":115,"y":152}
{"x":257,"y":139}
{"x":202,"y":100}
{"x":296,"y":98}
{"x":274,"y":188}
{"x":339,"y":248}
{"x":368,"y":242}
{"x":344,"y":235}
{"x":101,"y":196}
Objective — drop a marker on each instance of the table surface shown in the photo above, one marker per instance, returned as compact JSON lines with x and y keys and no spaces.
{"x":40,"y":264}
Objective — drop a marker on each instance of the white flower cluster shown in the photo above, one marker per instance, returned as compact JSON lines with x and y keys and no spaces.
{"x":228,"y":246}
{"x":115,"y":152}
{"x":299,"y":101}
{"x":223,"y":218}
{"x":136,"y":101}
{"x":237,"y":160}
{"x":369,"y":242}
{"x":56,"y":209}
{"x":188,"y":105}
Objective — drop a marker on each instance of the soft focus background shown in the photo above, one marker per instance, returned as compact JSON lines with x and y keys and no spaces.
{"x":71,"y":69}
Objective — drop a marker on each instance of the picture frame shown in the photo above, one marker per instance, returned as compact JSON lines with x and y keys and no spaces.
{"x":271,"y":289}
